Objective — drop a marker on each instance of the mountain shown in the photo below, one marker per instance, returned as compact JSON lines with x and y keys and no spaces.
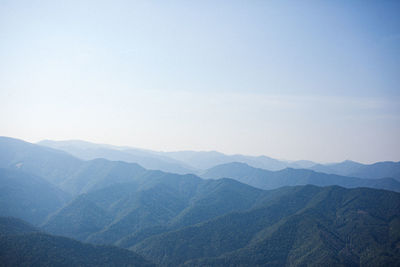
{"x":176,"y":162}
{"x":180,"y":162}
{"x":146,"y":158}
{"x":53,"y":165}
{"x":99,"y":173}
{"x":265,"y":179}
{"x":355,"y":169}
{"x":305,"y":226}
{"x":78,"y":219}
{"x":157,"y":202}
{"x":212,"y":199}
{"x":14,"y":226}
{"x":301,"y":164}
{"x":206,"y":159}
{"x":28,"y":197}
{"x":63,"y":170}
{"x":23,"y":245}
{"x":124,"y":208}
{"x":175,"y":219}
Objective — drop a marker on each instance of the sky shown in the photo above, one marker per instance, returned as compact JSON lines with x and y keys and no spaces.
{"x":315,"y":80}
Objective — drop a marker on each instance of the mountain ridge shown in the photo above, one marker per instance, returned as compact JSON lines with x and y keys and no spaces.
{"x":23,"y":245}
{"x":188,"y":161}
{"x":266,"y":179}
{"x":182,"y":219}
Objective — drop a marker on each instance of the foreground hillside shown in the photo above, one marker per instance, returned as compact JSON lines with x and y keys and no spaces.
{"x":304,"y":226}
{"x":227,"y":223}
{"x":23,"y":245}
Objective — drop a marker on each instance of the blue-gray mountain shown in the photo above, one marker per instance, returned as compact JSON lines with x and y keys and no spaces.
{"x":265,"y":179}
{"x":206,"y":159}
{"x":197,"y":161}
{"x":299,"y":226}
{"x":371,"y":171}
{"x":177,"y":162}
{"x":28,"y":196}
{"x":146,"y":158}
{"x":24,"y":245}
{"x":177,"y":219}
{"x":53,"y":165}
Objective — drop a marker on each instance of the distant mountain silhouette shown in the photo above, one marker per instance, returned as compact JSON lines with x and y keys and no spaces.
{"x":51,"y":164}
{"x":196,"y":162}
{"x":372,"y":171}
{"x":265,"y":179}
{"x":146,"y":158}
{"x":206,"y":159}
{"x":63,"y":170}
{"x":181,"y":162}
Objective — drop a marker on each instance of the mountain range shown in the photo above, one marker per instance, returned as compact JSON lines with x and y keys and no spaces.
{"x":181,"y":162}
{"x":371,"y":171}
{"x":146,"y":158}
{"x":301,"y":226}
{"x":231,"y":215}
{"x":21,"y":244}
{"x":197,"y":162}
{"x":265,"y":179}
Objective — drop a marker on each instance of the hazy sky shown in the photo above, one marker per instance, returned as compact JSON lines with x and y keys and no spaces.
{"x":316,"y":80}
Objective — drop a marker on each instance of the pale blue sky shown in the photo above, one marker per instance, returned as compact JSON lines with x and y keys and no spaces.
{"x":315,"y":80}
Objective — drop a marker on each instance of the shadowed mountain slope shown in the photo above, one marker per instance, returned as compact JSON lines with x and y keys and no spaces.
{"x":22,"y":245}
{"x":100,"y":173}
{"x":14,"y":226}
{"x":156,"y":200}
{"x":307,"y":225}
{"x":28,"y":197}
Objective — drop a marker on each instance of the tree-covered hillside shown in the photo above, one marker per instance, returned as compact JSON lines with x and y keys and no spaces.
{"x":23,"y":245}
{"x":28,"y":196}
{"x":175,"y":219}
{"x":307,"y":226}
